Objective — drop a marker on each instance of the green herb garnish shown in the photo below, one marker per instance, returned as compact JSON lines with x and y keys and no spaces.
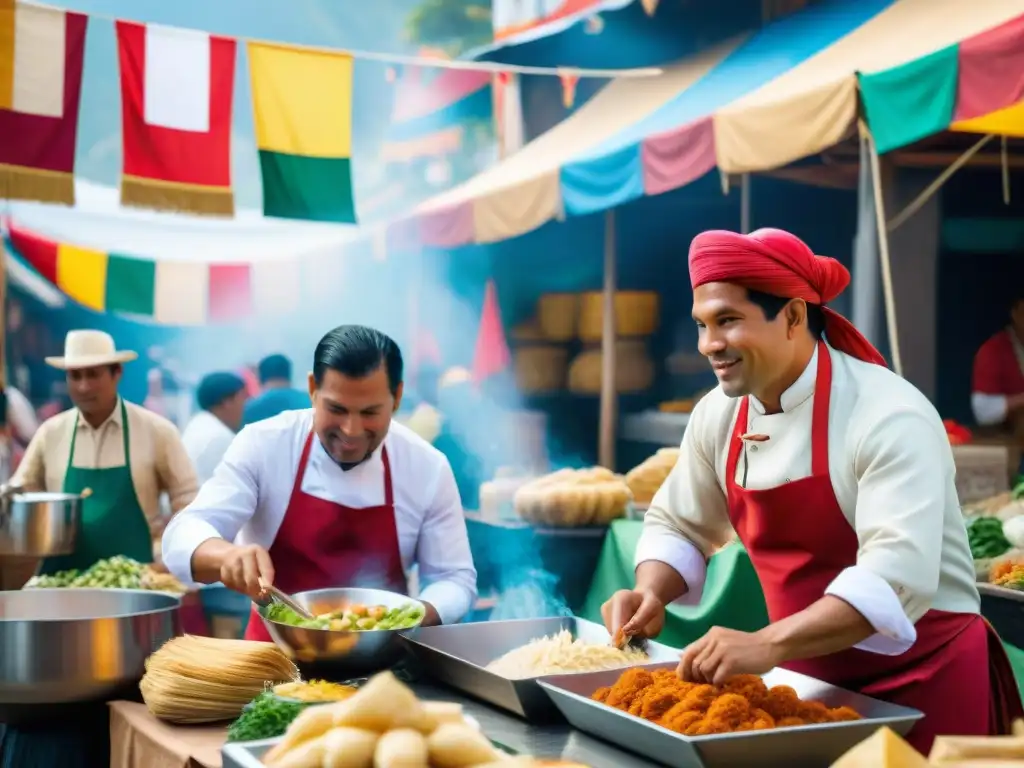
{"x":266,"y":718}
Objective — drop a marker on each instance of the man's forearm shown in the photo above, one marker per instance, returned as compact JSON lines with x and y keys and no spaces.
{"x":207,"y":560}
{"x":662,"y":580}
{"x":827,"y":626}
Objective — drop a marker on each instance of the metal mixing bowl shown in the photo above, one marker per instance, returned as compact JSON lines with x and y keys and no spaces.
{"x":78,"y":645}
{"x":339,"y":655}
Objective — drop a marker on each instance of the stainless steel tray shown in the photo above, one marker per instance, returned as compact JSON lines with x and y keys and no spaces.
{"x":808,"y":745}
{"x":457,"y":655}
{"x":245,"y":754}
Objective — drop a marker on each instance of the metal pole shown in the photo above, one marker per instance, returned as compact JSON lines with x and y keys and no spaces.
{"x":745,"y":204}
{"x":609,"y":390}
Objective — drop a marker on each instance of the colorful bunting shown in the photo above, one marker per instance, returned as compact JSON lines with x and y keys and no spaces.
{"x":177,"y":89}
{"x":302,"y":109}
{"x":41,"y":52}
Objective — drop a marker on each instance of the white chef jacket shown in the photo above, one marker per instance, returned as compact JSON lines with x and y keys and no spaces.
{"x":206,"y":440}
{"x":893,"y":475}
{"x":249,"y":493}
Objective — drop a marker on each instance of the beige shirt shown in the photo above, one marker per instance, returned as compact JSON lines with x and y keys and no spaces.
{"x":158,"y":458}
{"x":893,"y":475}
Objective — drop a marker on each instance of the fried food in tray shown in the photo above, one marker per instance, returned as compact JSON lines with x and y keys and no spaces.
{"x":646,"y":478}
{"x":573,"y":497}
{"x":744,"y":703}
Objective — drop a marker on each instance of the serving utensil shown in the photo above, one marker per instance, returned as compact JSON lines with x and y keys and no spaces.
{"x":285,"y":599}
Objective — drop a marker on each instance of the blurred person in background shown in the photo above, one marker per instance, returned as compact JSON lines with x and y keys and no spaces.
{"x":221,"y":398}
{"x":337,"y":495}
{"x":21,"y":423}
{"x":124,"y":454}
{"x":277,"y":395}
{"x":997,"y":387}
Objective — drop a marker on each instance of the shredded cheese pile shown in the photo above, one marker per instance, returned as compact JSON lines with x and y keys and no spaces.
{"x":561,"y":654}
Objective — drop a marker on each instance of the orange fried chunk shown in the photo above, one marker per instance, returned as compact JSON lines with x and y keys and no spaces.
{"x":742,"y":703}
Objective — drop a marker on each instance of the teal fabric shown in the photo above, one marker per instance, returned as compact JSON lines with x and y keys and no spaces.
{"x":273,"y":402}
{"x":907,"y":103}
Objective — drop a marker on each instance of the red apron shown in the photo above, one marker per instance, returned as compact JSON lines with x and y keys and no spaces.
{"x":957,"y":672}
{"x":321,"y":544}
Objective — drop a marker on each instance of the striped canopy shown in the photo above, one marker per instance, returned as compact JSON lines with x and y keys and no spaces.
{"x":754,"y":103}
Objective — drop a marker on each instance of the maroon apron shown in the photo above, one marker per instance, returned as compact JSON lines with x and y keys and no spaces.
{"x":798,"y":539}
{"x":321,"y":544}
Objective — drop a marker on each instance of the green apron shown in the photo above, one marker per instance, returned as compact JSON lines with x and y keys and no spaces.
{"x":113,"y":522}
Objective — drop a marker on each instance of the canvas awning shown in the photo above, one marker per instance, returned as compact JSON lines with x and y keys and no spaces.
{"x":788,"y":91}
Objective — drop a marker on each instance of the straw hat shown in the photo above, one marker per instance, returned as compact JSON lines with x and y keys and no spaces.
{"x":87,"y":349}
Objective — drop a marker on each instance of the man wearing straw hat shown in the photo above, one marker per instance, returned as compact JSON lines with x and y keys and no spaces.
{"x":125,"y":455}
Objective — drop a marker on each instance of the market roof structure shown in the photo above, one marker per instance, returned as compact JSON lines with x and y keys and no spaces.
{"x":913,"y":68}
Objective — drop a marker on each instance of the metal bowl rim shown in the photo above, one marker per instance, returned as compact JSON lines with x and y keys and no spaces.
{"x":153,"y":611}
{"x":343,"y":632}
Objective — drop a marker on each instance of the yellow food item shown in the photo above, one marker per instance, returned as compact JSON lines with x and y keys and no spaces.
{"x":885,"y":749}
{"x":314,"y":690}
{"x":205,"y":679}
{"x":383,"y":725}
{"x":646,"y":478}
{"x":560,"y":654}
{"x":401,"y":748}
{"x":457,"y":745}
{"x":573,"y":497}
{"x":989,"y":750}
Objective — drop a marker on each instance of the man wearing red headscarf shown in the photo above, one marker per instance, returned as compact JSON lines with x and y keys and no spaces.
{"x":837,"y":476}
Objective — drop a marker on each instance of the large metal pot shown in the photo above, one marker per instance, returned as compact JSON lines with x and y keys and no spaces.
{"x":38,"y":524}
{"x":79,"y":645}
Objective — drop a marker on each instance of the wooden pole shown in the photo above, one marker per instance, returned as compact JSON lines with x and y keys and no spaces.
{"x":883,"y":252}
{"x":609,"y":388}
{"x":745,"y":204}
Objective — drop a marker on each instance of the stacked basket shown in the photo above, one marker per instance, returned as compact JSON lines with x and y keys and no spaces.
{"x":543,"y":344}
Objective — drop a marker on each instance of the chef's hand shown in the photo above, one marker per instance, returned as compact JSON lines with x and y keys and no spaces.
{"x":638,"y":613}
{"x":242,"y":568}
{"x":723,"y":653}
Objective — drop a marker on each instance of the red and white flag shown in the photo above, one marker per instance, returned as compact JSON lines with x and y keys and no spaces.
{"x":177,"y":89}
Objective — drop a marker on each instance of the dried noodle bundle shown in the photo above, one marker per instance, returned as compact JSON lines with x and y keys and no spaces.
{"x":204,"y":679}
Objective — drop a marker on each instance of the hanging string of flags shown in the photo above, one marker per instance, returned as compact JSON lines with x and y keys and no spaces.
{"x":177,"y":89}
{"x":182,"y":293}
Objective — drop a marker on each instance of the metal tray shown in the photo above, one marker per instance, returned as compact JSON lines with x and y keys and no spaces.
{"x":1004,"y":609}
{"x":457,"y":655}
{"x":808,"y":745}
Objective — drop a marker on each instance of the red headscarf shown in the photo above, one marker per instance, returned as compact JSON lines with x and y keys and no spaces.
{"x":776,"y":262}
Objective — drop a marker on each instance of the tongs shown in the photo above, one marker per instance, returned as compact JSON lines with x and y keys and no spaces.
{"x":285,"y":599}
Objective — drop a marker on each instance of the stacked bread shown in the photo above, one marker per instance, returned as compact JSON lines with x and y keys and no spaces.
{"x":645,"y":479}
{"x":574,"y":497}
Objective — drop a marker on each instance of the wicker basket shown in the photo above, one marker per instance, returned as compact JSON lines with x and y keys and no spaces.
{"x":540,"y":368}
{"x":634,"y":369}
{"x":636,"y":314}
{"x":557,"y":315}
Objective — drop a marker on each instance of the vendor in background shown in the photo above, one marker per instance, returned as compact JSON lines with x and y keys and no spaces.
{"x":334,"y":496}
{"x":124,"y":454}
{"x":997,"y":387}
{"x":221,"y":398}
{"x":277,"y":395}
{"x":838,"y":478}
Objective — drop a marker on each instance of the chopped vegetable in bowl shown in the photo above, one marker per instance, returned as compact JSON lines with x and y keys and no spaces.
{"x":353,"y":618}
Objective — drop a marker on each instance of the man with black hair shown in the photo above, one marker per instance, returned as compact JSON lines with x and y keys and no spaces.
{"x":837,"y":477}
{"x":338,"y":495}
{"x":276,"y":391}
{"x":997,"y":387}
{"x":221,"y":398}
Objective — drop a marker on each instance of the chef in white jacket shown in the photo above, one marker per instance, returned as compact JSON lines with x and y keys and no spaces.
{"x":334,"y":496}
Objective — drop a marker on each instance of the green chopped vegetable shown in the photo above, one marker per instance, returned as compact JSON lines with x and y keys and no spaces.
{"x":986,"y":537}
{"x":266,"y":718}
{"x":113,"y":573}
{"x":354,"y":618}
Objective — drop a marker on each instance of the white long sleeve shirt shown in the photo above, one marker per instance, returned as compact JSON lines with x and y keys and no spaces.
{"x":206,"y":440}
{"x":250,"y":489}
{"x":893,"y":475}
